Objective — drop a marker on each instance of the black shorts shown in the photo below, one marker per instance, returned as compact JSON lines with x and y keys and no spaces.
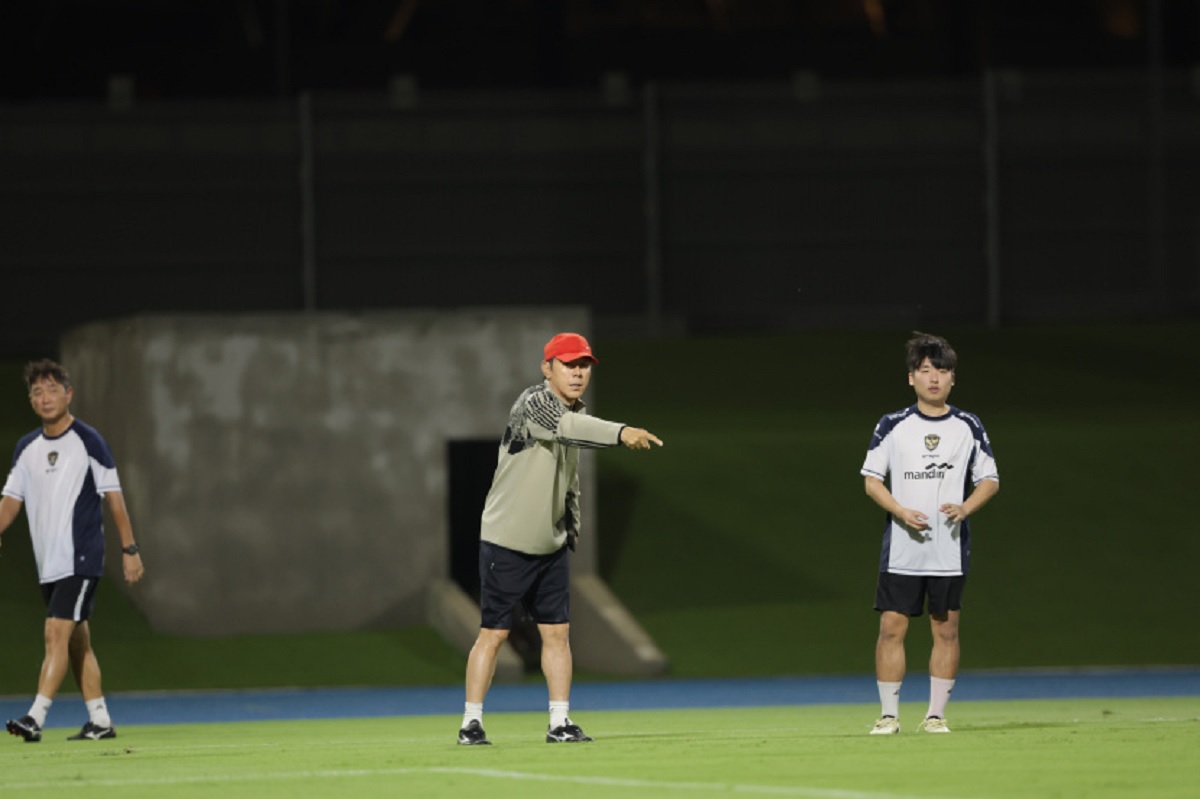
{"x":70,"y":598}
{"x":906,"y":593}
{"x":538,"y":583}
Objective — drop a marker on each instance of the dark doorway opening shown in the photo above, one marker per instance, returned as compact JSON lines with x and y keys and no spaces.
{"x":472,"y":464}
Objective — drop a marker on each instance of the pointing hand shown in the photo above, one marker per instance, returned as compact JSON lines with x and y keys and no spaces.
{"x":637,"y":438}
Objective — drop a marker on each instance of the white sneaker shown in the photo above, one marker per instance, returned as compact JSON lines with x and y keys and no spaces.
{"x":888,"y":725}
{"x":933,"y":724}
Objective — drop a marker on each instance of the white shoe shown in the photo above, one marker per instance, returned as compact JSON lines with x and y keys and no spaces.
{"x":933,"y":724}
{"x":888,"y":725}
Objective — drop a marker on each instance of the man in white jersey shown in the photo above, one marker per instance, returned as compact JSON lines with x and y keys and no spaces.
{"x":59,"y":473}
{"x":938,"y":462}
{"x":530,"y":520}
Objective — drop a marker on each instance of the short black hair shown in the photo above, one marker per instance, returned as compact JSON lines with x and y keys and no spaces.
{"x":935,"y":348}
{"x":46,"y":368}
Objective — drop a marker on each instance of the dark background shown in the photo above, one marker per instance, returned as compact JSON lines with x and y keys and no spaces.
{"x":680,"y":167}
{"x":273,"y":48}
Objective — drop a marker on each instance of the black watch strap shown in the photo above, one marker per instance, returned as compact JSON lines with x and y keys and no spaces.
{"x":132,"y":549}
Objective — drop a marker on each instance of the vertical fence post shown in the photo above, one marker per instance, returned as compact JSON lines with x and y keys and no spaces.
{"x":308,"y":236}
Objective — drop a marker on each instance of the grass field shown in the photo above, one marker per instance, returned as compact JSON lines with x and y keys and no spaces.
{"x":1098,"y":749}
{"x":758,"y":491}
{"x":1085,"y":558}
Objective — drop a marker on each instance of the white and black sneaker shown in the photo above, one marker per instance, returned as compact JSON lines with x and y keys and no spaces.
{"x":473,"y":735}
{"x":933,"y":724}
{"x":887,"y":725}
{"x":566,"y":734}
{"x":93,"y":732}
{"x":25,"y":727}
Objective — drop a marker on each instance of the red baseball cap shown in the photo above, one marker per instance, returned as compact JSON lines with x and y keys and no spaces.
{"x":568,"y":347}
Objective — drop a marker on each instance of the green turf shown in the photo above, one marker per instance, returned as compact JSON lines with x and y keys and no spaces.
{"x":746,"y":546}
{"x":750,"y":531}
{"x":1098,"y":749}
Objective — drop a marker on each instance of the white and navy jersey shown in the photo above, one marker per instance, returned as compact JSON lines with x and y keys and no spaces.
{"x":927,"y":462}
{"x":61,"y":481}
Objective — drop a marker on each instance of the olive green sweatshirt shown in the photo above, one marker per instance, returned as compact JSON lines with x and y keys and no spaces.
{"x":533,"y":504}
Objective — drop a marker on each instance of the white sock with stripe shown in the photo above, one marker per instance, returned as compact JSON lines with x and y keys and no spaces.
{"x":39,"y":709}
{"x":558,"y":714}
{"x":939,"y":695}
{"x":889,"y":698}
{"x":98,"y":712}
{"x":472,"y":711}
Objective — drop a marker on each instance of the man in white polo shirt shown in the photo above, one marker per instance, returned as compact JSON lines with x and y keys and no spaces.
{"x":530,"y":520}
{"x":938,"y":462}
{"x":59,"y":474}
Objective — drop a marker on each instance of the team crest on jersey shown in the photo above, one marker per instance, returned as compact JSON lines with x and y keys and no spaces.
{"x":931,"y":441}
{"x":53,"y":458}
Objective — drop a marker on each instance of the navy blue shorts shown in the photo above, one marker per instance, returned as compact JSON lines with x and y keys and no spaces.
{"x":70,"y":598}
{"x":906,"y":593}
{"x":540,"y":584}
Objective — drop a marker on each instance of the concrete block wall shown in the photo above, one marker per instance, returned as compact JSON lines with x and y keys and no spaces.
{"x":288,"y":473}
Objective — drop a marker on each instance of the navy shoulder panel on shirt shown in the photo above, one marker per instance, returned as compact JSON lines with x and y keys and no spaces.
{"x":25,"y":441}
{"x":976,"y":426}
{"x":95,"y":444}
{"x":887,"y":423}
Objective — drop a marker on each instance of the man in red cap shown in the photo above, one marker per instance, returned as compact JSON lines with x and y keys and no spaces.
{"x":530,"y":519}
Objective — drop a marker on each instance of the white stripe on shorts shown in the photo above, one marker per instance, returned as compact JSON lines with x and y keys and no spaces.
{"x":79,"y":599}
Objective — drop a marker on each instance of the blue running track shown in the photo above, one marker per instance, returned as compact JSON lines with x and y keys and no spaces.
{"x":319,"y":703}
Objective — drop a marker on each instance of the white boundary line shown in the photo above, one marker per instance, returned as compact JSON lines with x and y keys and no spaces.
{"x":611,"y":782}
{"x":624,"y":782}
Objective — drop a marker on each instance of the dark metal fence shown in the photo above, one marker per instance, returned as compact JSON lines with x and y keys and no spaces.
{"x":1024,"y":197}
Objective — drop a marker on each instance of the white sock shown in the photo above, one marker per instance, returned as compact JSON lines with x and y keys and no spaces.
{"x":889,"y":698}
{"x":98,"y":712}
{"x":939,"y":695}
{"x":39,"y":709}
{"x":472,"y":711}
{"x":558,"y":714}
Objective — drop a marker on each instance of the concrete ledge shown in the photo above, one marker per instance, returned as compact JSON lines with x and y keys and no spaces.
{"x":605,"y":637}
{"x":456,"y":617}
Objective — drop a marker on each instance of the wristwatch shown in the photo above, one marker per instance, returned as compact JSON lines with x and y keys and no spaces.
{"x":132,"y":549}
